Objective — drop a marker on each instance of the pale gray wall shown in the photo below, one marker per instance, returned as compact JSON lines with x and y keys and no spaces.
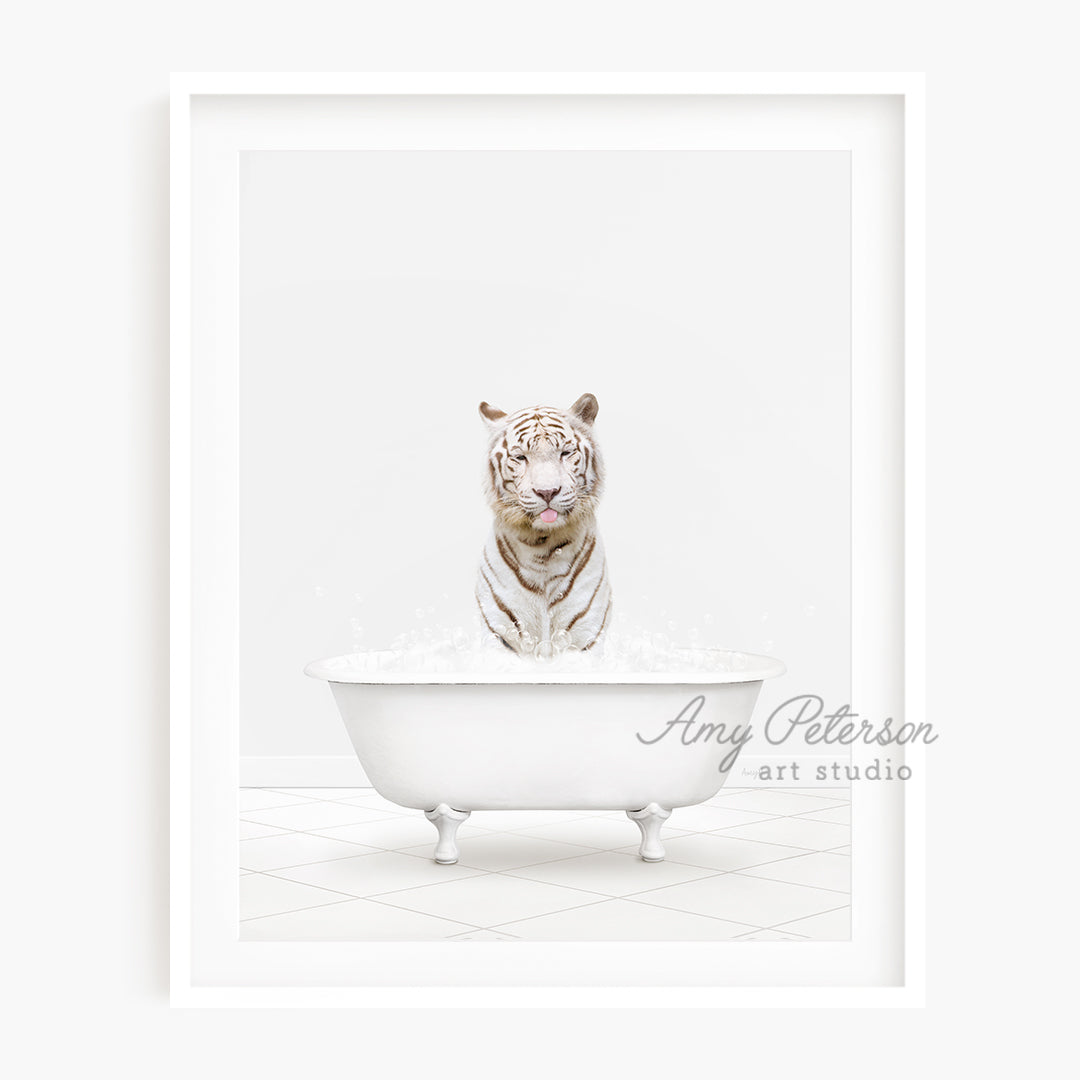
{"x":703,"y":297}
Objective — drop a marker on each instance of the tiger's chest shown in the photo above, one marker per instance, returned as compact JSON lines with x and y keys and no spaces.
{"x":545,"y":592}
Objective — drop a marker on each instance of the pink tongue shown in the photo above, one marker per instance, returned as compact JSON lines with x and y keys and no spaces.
{"x":549,"y":515}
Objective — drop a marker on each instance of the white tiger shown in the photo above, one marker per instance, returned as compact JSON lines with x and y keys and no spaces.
{"x":543,"y":583}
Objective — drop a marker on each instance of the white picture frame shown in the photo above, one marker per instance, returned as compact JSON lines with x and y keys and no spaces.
{"x":883,"y":964}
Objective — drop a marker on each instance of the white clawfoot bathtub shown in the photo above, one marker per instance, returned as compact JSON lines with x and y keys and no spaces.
{"x":644,"y":743}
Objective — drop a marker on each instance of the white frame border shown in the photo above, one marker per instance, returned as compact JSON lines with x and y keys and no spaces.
{"x":185,"y":86}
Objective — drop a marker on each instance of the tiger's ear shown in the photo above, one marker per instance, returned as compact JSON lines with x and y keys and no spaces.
{"x":585,"y":408}
{"x":492,"y":416}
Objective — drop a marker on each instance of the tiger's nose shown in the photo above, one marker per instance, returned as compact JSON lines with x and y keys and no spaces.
{"x":547,"y":494}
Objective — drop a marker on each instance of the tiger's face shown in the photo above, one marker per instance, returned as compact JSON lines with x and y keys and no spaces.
{"x":544,"y":469}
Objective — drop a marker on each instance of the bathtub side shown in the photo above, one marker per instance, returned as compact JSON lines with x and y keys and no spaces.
{"x":553,"y":747}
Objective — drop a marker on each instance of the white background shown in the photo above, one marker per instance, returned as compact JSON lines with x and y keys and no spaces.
{"x":84,"y":429}
{"x":702,"y":296}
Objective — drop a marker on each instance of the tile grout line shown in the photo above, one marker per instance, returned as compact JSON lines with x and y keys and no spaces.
{"x":587,"y":850}
{"x":514,"y":872}
{"x":782,"y":881}
{"x":313,"y":862}
{"x":780,"y":926}
{"x":544,"y":914}
{"x":353,"y":899}
{"x":293,"y":911}
{"x":801,"y":854}
{"x":494,"y":926}
{"x":397,"y":907}
{"x":772,"y":843}
{"x":293,"y":881}
{"x":769,"y":929}
{"x":720,"y":918}
{"x":683,"y":911}
{"x":612,"y":896}
{"x":608,"y":899}
{"x":384,"y":850}
{"x":375,"y":898}
{"x":387,"y":816}
{"x":410,"y":888}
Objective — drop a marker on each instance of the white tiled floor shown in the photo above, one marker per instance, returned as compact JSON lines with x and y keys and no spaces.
{"x":343,"y":864}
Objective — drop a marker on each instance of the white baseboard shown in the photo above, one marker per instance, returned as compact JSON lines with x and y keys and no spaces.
{"x":345,"y":771}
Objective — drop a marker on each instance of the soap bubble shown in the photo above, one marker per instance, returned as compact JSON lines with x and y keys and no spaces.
{"x":625,"y":647}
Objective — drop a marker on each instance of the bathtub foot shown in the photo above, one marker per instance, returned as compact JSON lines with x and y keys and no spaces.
{"x":446,"y":820}
{"x":649,"y":821}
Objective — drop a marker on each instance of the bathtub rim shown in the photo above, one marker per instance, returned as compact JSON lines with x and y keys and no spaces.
{"x":761,"y":668}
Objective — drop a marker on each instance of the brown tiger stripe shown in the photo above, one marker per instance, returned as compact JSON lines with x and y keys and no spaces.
{"x":570,"y":568}
{"x":509,"y":558}
{"x":498,"y":602}
{"x":601,"y":630}
{"x":546,"y":556}
{"x":584,"y":610}
{"x":483,"y":616}
{"x":582,"y":562}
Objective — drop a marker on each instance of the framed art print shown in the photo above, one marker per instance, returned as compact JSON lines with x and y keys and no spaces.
{"x":546,"y":522}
